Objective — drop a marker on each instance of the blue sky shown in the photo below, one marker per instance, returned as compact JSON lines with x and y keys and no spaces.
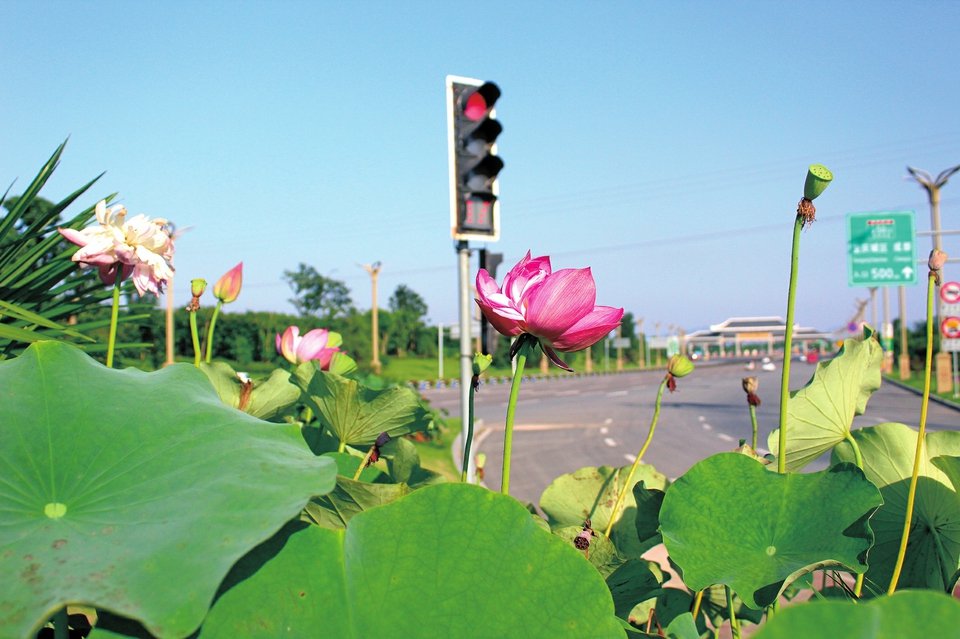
{"x":662,"y":144}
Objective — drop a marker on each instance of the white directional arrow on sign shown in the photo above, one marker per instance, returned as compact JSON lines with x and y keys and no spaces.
{"x":907,"y":272}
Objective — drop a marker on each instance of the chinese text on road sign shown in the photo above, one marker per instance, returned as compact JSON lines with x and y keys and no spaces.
{"x":881,"y":249}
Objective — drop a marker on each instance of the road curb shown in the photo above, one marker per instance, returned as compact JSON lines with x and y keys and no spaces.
{"x":917,"y":391}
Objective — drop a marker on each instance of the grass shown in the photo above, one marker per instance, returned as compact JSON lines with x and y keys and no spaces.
{"x":438,"y":456}
{"x":916,"y":381}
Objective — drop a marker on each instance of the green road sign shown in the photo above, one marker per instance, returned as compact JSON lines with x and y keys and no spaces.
{"x":881,"y":249}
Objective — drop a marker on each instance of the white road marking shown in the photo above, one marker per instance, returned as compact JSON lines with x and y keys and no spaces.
{"x":725,"y":437}
{"x":707,"y":427}
{"x":702,"y":418}
{"x":617,"y":394}
{"x":630,"y":458}
{"x":604,"y":430}
{"x":569,"y":392}
{"x":609,"y":442}
{"x":608,"y":421}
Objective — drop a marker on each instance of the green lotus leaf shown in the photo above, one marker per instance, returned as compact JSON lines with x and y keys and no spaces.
{"x":592,"y":492}
{"x":647,"y":522}
{"x":820,"y":414}
{"x":949,"y":466}
{"x":350,"y":498}
{"x":450,"y":560}
{"x":630,"y":584}
{"x":910,"y":614}
{"x":933,"y":551}
{"x":730,"y":521}
{"x":403,"y":464}
{"x":356,"y":414}
{"x":601,"y":554}
{"x":348,"y":465}
{"x":134,"y":491}
{"x":268,"y":399}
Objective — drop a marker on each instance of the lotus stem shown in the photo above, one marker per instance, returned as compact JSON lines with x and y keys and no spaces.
{"x":213,"y":323}
{"x":363,"y":464}
{"x":858,"y":587}
{"x":114,"y":314}
{"x":911,"y":496}
{"x":696,"y":604}
{"x":467,"y":445}
{"x":342,"y":447}
{"x":788,"y":345}
{"x":734,"y":624}
{"x":61,"y":624}
{"x":753,"y":423}
{"x":196,"y":338}
{"x":511,"y":410}
{"x":636,"y":462}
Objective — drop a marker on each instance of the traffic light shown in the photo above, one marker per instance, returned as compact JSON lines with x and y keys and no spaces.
{"x":472,"y":131}
{"x":488,"y":334}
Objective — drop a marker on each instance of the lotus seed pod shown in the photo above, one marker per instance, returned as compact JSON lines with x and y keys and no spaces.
{"x":679,"y":366}
{"x":818,"y":178}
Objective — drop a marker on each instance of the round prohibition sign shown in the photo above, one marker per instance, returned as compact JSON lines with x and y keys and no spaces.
{"x":950,"y":327}
{"x":950,"y":292}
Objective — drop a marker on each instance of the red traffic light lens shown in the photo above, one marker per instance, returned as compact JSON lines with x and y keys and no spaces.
{"x":476,"y":106}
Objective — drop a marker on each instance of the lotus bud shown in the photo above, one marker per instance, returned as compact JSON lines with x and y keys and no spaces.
{"x":480,"y":460}
{"x":227,"y":288}
{"x":750,"y":386}
{"x":197,"y":287}
{"x":818,"y":179}
{"x":679,"y":366}
{"x":481,"y":363}
{"x":374,"y":455}
{"x":937,"y":259}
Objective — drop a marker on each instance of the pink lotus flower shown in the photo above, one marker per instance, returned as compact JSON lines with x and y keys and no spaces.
{"x":227,"y":288}
{"x":319,"y":344}
{"x":557,"y":309}
{"x":116,"y":245}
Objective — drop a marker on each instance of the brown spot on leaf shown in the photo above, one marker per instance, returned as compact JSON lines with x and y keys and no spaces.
{"x":60,"y":543}
{"x":108,"y":530}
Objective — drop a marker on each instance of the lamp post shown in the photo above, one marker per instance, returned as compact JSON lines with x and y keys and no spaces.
{"x":932,"y":186}
{"x":374,"y":271}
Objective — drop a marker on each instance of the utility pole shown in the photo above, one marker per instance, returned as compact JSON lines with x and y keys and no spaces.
{"x":887,"y":333}
{"x":643,"y":343}
{"x":170,"y":336}
{"x":374,"y":271}
{"x":873,"y":307}
{"x":619,"y":352}
{"x":932,"y":186}
{"x":440,"y":350}
{"x":466,"y":352}
{"x":904,"y":353}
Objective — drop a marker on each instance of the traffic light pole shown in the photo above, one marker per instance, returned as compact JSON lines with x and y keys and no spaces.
{"x":466,"y":352}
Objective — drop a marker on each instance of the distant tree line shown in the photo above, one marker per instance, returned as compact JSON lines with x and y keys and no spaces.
{"x":247,"y":338}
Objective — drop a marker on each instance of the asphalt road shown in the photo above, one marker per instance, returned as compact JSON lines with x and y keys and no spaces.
{"x":566,"y":424}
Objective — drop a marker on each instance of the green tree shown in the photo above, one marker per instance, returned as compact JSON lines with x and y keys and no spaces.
{"x":407,"y":310}
{"x":316,"y":295}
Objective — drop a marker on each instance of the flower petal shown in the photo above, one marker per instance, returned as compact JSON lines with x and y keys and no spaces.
{"x":523,"y":278}
{"x":74,"y":237}
{"x":552,"y":355}
{"x":312,"y":345}
{"x":289,"y":343}
{"x":589,"y":330}
{"x":560,"y":302}
{"x":503,"y":325}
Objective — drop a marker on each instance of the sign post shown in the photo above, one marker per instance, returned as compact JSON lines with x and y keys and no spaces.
{"x":950,"y":328}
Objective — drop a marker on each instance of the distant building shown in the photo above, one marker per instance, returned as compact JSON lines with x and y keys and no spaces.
{"x":760,"y":333}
